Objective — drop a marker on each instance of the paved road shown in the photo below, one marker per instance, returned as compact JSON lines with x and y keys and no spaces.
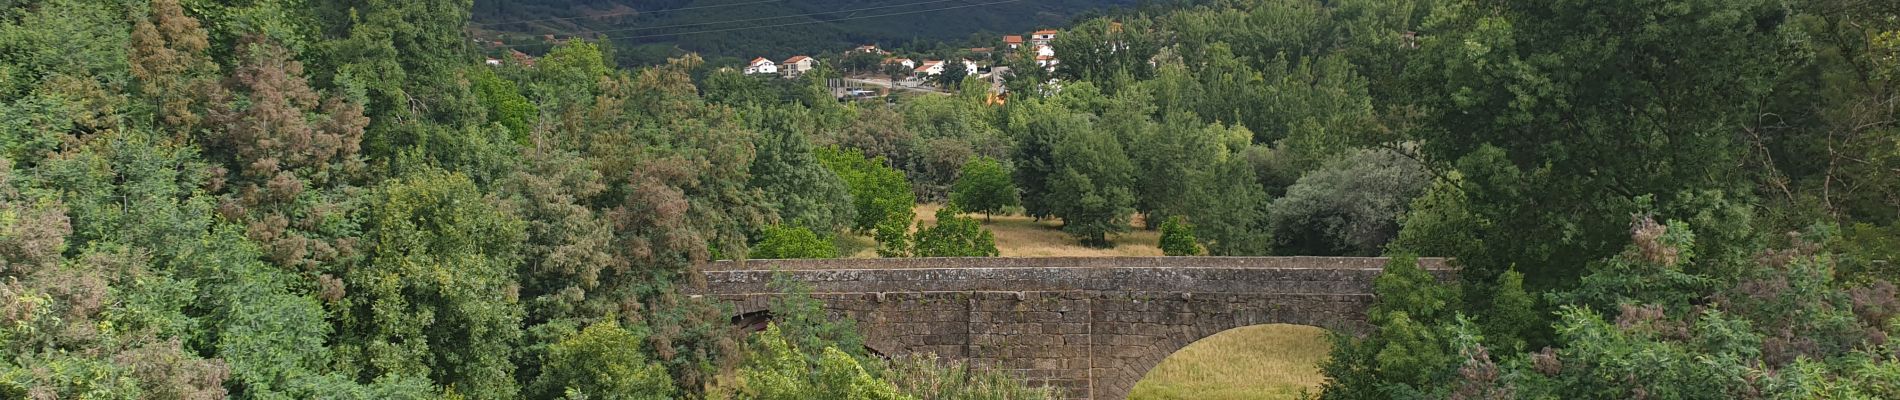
{"x":886,"y":83}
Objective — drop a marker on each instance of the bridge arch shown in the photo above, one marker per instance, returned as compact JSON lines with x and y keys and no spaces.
{"x":1242,"y":362}
{"x":1092,"y":327}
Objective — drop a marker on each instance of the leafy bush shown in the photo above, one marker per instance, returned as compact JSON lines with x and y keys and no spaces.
{"x":1177,"y":238}
{"x":954,"y":236}
{"x":788,"y":242}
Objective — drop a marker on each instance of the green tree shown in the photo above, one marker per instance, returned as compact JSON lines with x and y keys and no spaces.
{"x":893,"y":237}
{"x":424,"y":301}
{"x":1410,"y":349}
{"x":984,"y":186}
{"x":1350,"y":207}
{"x":1512,"y":317}
{"x":804,"y":191}
{"x":791,"y":241}
{"x":1091,"y":187}
{"x":1177,"y":238}
{"x":603,"y":361}
{"x":953,"y":236}
{"x":779,"y":371}
{"x":1540,"y":117}
{"x":505,"y":103}
{"x":952,"y":76}
{"x":1232,"y":216}
{"x":879,"y":192}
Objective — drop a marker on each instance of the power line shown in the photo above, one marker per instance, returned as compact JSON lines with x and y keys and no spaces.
{"x":642,"y":28}
{"x":616,"y":14}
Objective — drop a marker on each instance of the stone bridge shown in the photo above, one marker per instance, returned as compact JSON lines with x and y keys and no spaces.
{"x":1091,"y":327}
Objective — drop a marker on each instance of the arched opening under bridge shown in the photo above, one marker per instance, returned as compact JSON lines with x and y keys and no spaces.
{"x":1270,"y":361}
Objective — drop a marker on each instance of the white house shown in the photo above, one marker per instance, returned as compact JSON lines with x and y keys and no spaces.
{"x":798,"y":65}
{"x":1045,"y":51}
{"x":969,"y":67}
{"x":1043,"y":36}
{"x":930,"y":67}
{"x":1013,"y":41}
{"x":761,"y":66}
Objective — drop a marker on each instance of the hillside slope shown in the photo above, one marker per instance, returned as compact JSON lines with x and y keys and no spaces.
{"x":645,"y":29}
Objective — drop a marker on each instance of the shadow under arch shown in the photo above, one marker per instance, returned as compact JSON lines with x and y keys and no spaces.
{"x":1271,"y":361}
{"x":756,"y":321}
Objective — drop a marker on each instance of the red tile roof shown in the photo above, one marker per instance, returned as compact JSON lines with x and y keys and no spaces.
{"x":1046,"y":32}
{"x":1016,"y":39}
{"x":756,"y":61}
{"x":796,"y":59}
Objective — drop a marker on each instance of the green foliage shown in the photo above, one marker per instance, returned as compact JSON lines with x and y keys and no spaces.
{"x":1350,"y":207}
{"x":437,"y":253}
{"x":984,"y":186}
{"x":953,"y":74}
{"x":1177,"y":238}
{"x":1538,"y":114}
{"x":1512,"y":316}
{"x":807,"y":193}
{"x":1232,"y":219}
{"x":784,"y":241}
{"x":779,"y":370}
{"x":505,"y":103}
{"x":1411,"y":349}
{"x":602,"y":361}
{"x":878,"y":191}
{"x":953,"y":236}
{"x":1439,"y":223}
{"x":893,"y":237}
{"x":929,"y":377}
{"x":1090,"y":187}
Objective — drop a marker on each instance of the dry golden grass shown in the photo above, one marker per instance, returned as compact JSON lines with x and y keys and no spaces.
{"x":1019,"y":236}
{"x":1255,"y":362}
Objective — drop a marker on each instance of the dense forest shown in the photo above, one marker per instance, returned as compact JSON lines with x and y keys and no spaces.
{"x":649,"y":31}
{"x":340,"y":199}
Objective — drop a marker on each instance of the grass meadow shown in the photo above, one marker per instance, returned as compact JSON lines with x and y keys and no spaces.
{"x":1252,"y":363}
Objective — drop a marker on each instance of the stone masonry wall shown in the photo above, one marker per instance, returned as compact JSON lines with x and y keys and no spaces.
{"x":1090,"y":327}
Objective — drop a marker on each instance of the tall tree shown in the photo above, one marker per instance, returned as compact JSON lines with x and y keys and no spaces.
{"x":1092,"y":186}
{"x":435,"y":296}
{"x":1577,"y":127}
{"x":984,"y":186}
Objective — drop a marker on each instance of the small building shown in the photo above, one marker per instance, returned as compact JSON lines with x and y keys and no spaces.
{"x":930,"y":68}
{"x":1045,"y":51}
{"x":969,"y":67}
{"x":871,"y":48}
{"x":1013,"y":41}
{"x":1047,"y":62}
{"x":797,"y":65}
{"x":493,"y":61}
{"x":522,"y":59}
{"x":1042,"y":36}
{"x":907,"y":63}
{"x":761,"y":66}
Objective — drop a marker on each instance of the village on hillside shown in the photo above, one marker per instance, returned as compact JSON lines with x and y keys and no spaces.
{"x":869,"y":71}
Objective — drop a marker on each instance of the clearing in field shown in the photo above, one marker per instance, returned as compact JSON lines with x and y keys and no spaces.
{"x":1020,"y":236}
{"x":1275,"y":361}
